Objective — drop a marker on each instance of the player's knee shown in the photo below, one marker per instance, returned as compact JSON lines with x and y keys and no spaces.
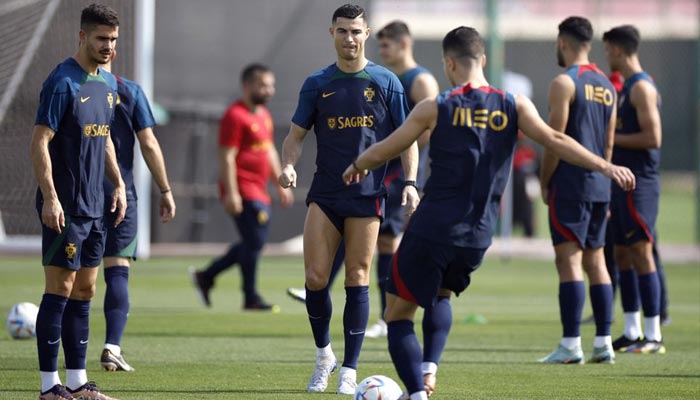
{"x":356,"y":276}
{"x":316,"y":280}
{"x":83,"y":292}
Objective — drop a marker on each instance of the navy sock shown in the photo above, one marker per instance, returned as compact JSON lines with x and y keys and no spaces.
{"x":337,"y":263}
{"x":222,"y":263}
{"x":629,"y":291}
{"x":663,"y":294}
{"x":76,"y":330}
{"x":437,"y":322}
{"x":406,"y":354}
{"x":249,"y":268}
{"x":572,"y":295}
{"x":355,"y":318}
{"x":116,"y":305}
{"x":649,"y":293}
{"x":602,"y":303}
{"x":48,"y":330}
{"x":320,"y":309}
{"x":383,"y":268}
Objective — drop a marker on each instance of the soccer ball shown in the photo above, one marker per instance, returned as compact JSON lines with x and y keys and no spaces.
{"x":21,"y":321}
{"x":378,"y":387}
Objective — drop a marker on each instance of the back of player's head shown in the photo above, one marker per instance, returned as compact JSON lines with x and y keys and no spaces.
{"x":463,"y":42}
{"x":576,"y":28}
{"x":349,"y":11}
{"x":251,"y":70}
{"x":98,"y":14}
{"x":395,"y":30}
{"x":626,"y":37}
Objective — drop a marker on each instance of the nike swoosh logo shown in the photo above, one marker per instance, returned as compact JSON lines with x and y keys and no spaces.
{"x":84,"y":99}
{"x":324,"y":95}
{"x":55,"y":341}
{"x":629,"y":234}
{"x":354,"y":332}
{"x":83,"y":342}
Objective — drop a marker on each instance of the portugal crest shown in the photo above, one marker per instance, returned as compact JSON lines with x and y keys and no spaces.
{"x":331,"y":123}
{"x":369,"y":94}
{"x":110,"y":99}
{"x":71,"y":250}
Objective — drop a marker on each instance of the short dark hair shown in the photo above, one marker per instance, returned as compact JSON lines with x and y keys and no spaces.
{"x":577,"y":28}
{"x":463,"y":42}
{"x":349,"y":11}
{"x":627,"y":37}
{"x":395,"y":30}
{"x":98,"y":14}
{"x":248,"y":73}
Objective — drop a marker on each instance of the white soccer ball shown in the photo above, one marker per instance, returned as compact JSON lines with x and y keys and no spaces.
{"x":21,"y":321}
{"x":378,"y":387}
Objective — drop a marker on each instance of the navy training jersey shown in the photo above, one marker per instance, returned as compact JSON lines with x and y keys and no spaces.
{"x":349,"y":113}
{"x":407,"y":79}
{"x":644,"y":163}
{"x":79,"y":108}
{"x":589,"y":116}
{"x":471,"y":156}
{"x":132,"y":114}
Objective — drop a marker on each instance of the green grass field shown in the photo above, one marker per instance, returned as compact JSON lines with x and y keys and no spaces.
{"x":182,"y":351}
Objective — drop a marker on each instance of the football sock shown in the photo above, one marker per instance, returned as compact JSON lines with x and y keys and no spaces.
{"x":355,"y":317}
{"x":383,"y":267}
{"x":337,"y":263}
{"x":571,"y":342}
{"x":629,"y":292}
{"x":49,"y":380}
{"x":652,"y":328}
{"x":406,"y":354}
{"x":320,"y":309}
{"x":602,"y":304}
{"x":633,"y":325}
{"x":116,"y":304}
{"x":602,"y":341}
{"x":572,"y":295}
{"x":222,"y":263}
{"x":428,"y":368}
{"x":114,"y":349}
{"x":76,"y":330}
{"x":48,"y":332}
{"x":437,"y":322}
{"x":649,"y":293}
{"x":324,"y":352}
{"x":663,"y":294}
{"x":75,"y":378}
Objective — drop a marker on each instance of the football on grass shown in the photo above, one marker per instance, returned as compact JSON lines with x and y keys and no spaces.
{"x":378,"y":387}
{"x":21,"y":321}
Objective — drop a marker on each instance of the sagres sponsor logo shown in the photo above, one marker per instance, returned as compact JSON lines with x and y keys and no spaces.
{"x":369,"y":94}
{"x":71,"y":250}
{"x":110,"y":99}
{"x":93,"y":130}
{"x":360,"y":121}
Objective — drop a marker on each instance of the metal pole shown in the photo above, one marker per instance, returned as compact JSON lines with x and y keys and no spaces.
{"x":143,"y":74}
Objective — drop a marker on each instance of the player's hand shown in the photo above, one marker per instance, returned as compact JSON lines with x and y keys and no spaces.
{"x":167,"y":206}
{"x":622,"y":176}
{"x":233,"y":204}
{"x":118,"y":204}
{"x":288,"y":177}
{"x":286,"y":197}
{"x":354,"y":175}
{"x":410,"y":199}
{"x":52,"y":215}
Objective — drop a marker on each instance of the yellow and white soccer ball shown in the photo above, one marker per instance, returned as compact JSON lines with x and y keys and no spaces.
{"x":378,"y":387}
{"x":21,"y":320}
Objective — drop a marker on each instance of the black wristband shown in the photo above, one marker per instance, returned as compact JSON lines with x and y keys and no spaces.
{"x":356,"y":167}
{"x":410,"y":182}
{"x":165,"y":191}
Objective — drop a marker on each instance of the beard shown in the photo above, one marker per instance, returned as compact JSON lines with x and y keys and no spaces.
{"x":560,"y":58}
{"x":259,"y":100}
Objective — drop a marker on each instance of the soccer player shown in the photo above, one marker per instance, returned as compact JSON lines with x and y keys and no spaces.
{"x":633,"y":214}
{"x":71,"y":152}
{"x":396,"y":50}
{"x":247,"y":160}
{"x":133,"y":120}
{"x":474,"y":130}
{"x":351,"y":104}
{"x":582,"y":104}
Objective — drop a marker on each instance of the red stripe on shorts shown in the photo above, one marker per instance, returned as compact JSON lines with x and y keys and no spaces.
{"x":404,"y":293}
{"x":633,"y":210}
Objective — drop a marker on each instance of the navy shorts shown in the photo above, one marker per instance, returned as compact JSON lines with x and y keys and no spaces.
{"x":338,"y":209}
{"x":583,"y":222}
{"x":121,"y":241}
{"x":394,"y":216}
{"x":633,"y":214}
{"x":420,"y":268}
{"x":80,"y":243}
